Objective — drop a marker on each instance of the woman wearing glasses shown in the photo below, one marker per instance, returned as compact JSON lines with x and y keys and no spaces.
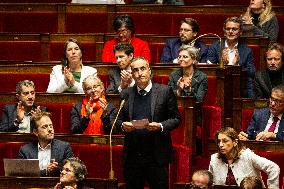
{"x":94,"y":114}
{"x":233,"y":162}
{"x":68,"y":76}
{"x":73,"y":175}
{"x":123,"y":26}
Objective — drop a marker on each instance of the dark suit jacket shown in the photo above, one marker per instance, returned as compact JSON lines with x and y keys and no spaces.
{"x":114,"y":80}
{"x":259,"y":121}
{"x":199,"y":84}
{"x":9,"y":116}
{"x":246,"y":62}
{"x":163,"y":109}
{"x":170,"y":51}
{"x":79,"y":124}
{"x":263,"y":85}
{"x":59,"y":151}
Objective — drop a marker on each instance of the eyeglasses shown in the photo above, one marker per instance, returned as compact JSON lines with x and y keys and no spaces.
{"x":122,"y":32}
{"x":275,"y":101}
{"x":234,"y":29}
{"x":89,"y":89}
{"x":273,"y":58}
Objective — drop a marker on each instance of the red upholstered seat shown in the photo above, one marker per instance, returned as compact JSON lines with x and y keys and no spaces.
{"x":105,"y":80}
{"x":8,"y":150}
{"x":156,"y":50}
{"x":9,"y":80}
{"x":87,"y":22}
{"x":96,"y":158}
{"x":162,"y":79}
{"x":61,"y":117}
{"x":20,"y":50}
{"x":36,"y":22}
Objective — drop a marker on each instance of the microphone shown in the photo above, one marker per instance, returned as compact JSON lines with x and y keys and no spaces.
{"x":111,"y":172}
{"x":220,"y":39}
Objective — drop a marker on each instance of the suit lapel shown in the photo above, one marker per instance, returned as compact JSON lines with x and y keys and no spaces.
{"x":131,"y":100}
{"x":265,"y":119}
{"x":54,"y":150}
{"x":154,"y":95}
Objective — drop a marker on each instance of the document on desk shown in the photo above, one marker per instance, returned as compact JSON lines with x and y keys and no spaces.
{"x":140,"y":124}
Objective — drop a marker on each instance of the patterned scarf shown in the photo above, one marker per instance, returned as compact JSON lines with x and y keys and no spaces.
{"x":95,"y":125}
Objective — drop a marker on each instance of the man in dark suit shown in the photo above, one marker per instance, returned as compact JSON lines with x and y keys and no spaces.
{"x":121,"y":77}
{"x":273,"y":75}
{"x":16,"y":117}
{"x":50,"y":152}
{"x":149,"y":114}
{"x":234,"y":52}
{"x":187,"y":33}
{"x":268,"y":123}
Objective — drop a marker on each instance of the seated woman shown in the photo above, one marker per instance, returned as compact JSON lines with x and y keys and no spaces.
{"x":233,"y":162}
{"x":188,"y":80}
{"x":73,"y":174}
{"x":94,"y":114}
{"x":69,"y":76}
{"x":123,"y":26}
{"x":260,"y":20}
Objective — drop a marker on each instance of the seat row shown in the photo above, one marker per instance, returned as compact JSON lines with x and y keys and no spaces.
{"x":50,"y":47}
{"x":70,"y":18}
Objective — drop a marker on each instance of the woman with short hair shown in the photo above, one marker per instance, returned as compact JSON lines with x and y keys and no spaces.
{"x":188,"y":80}
{"x":73,"y":175}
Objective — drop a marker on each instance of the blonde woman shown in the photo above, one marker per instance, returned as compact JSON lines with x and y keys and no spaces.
{"x":260,"y":20}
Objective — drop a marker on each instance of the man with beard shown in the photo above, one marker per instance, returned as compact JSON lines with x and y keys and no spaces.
{"x":187,"y":32}
{"x":268,"y":123}
{"x":16,"y":117}
{"x":50,"y":152}
{"x":273,"y":75}
{"x":234,"y":52}
{"x":120,"y":77}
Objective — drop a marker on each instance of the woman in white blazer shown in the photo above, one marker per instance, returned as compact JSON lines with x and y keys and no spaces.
{"x":69,"y":76}
{"x":233,"y":162}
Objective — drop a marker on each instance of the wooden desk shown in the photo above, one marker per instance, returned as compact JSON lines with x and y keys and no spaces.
{"x":257,"y":146}
{"x":48,"y":182}
{"x":71,"y":138}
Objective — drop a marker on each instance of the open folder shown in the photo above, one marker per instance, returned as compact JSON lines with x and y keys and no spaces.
{"x":21,"y":167}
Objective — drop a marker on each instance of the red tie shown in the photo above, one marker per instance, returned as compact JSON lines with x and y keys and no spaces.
{"x":273,"y":125}
{"x":230,"y":179}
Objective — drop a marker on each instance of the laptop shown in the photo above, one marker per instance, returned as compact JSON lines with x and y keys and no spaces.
{"x":21,"y":167}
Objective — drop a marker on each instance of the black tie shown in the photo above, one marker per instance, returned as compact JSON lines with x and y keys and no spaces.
{"x":142,"y":92}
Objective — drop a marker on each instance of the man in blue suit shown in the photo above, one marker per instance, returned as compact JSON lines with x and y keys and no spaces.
{"x":148,"y":116}
{"x":234,"y":52}
{"x":188,"y":32}
{"x":268,"y":123}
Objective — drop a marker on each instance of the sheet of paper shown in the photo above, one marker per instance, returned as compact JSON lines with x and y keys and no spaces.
{"x":140,"y":124}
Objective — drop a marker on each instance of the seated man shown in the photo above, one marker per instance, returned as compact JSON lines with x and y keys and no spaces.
{"x":251,"y":182}
{"x":187,"y":32}
{"x":273,"y":75}
{"x":202,"y":179}
{"x":268,"y":123}
{"x":16,"y":117}
{"x":234,"y":52}
{"x":121,"y":77}
{"x":50,"y":152}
